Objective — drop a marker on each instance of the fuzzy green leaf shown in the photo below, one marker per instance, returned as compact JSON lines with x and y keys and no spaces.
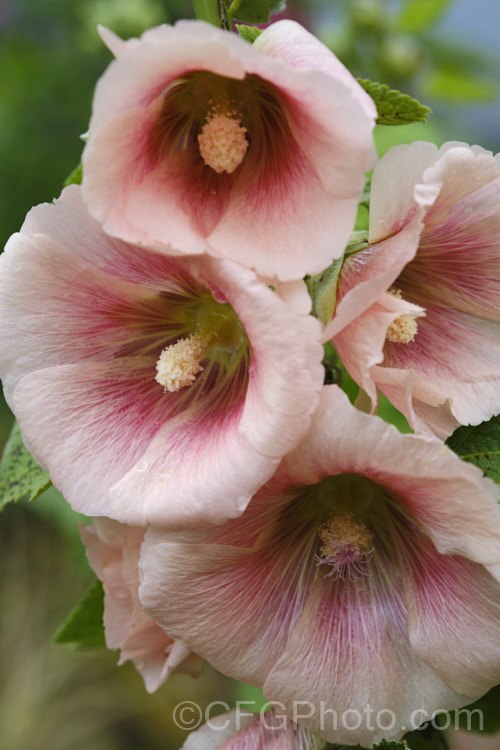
{"x":391,"y":745}
{"x":84,"y":627}
{"x":75,"y":177}
{"x":393,"y":107}
{"x":480,"y":445}
{"x":248,"y":33}
{"x":20,"y":476}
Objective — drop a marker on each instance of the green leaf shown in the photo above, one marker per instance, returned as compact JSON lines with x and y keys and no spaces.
{"x":20,"y":476}
{"x":480,"y":445}
{"x":75,"y":177}
{"x":482,"y":715}
{"x":393,"y":107}
{"x":209,"y":10}
{"x":427,"y":737}
{"x":248,"y":33}
{"x":391,"y":745}
{"x":84,"y":627}
{"x":417,"y":15}
{"x":250,"y":11}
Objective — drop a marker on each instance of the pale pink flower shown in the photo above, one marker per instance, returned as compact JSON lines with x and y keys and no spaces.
{"x":237,"y":730}
{"x":113,"y":553}
{"x":203,"y":142}
{"x":419,"y":310}
{"x":359,"y":578}
{"x":153,"y":389}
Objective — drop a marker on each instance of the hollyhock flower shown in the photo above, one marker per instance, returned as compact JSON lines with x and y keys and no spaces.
{"x":113,"y":553}
{"x":360,"y":579}
{"x":204,"y":142}
{"x":418,"y":312}
{"x":236,"y":731}
{"x":154,"y":389}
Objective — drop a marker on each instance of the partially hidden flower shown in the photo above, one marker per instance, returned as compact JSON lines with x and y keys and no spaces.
{"x":418,"y":315}
{"x":204,"y":142}
{"x":153,"y":389}
{"x":360,"y":579}
{"x":113,"y":553}
{"x":235,"y":730}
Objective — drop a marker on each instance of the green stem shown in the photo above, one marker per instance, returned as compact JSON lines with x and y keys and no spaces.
{"x":210,"y":10}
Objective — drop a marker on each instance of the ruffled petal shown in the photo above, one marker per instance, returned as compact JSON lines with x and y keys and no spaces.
{"x":430,"y":481}
{"x":113,"y":552}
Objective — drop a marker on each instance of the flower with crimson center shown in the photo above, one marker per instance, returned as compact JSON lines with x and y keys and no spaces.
{"x":361,"y":574}
{"x":200,"y":142}
{"x":418,"y":310}
{"x":154,"y":389}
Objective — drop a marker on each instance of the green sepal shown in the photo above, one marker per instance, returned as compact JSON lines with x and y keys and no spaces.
{"x":393,"y":107}
{"x":75,"y":177}
{"x":84,"y":627}
{"x":480,"y":445}
{"x":323,"y":286}
{"x":20,"y":476}
{"x":323,"y":291}
{"x":248,"y":33}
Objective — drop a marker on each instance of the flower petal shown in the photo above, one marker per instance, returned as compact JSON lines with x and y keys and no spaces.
{"x":113,"y":552}
{"x":454,"y":605}
{"x":235,"y":730}
{"x":349,"y":654}
{"x":250,"y":598}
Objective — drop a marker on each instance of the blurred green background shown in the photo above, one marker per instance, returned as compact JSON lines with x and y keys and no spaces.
{"x":443,"y":52}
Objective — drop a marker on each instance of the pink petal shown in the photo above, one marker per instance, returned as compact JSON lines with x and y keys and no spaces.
{"x":350,"y":652}
{"x":453,"y":607}
{"x":113,"y":552}
{"x":240,"y":594}
{"x":236,"y":731}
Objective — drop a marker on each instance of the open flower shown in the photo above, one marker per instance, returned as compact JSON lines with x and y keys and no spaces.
{"x":253,"y":152}
{"x":236,"y":731}
{"x":153,"y":389}
{"x":113,"y":552}
{"x":419,"y":310}
{"x":360,"y":578}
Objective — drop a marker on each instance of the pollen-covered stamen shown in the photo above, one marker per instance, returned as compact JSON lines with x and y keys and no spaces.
{"x":179,"y":363}
{"x":222,"y":142}
{"x":403,"y":329}
{"x":346,"y":547}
